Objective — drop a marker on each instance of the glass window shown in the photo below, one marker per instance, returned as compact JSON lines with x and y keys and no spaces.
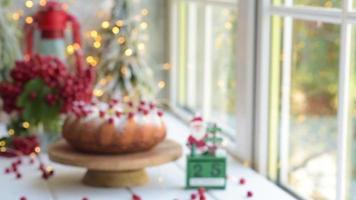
{"x":303,"y":109}
{"x":318,"y":3}
{"x":206,"y":61}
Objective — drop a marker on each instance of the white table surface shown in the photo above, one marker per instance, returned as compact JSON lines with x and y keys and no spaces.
{"x":166,"y":181}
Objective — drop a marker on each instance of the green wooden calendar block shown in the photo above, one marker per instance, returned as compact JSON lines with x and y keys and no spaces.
{"x":206,"y":171}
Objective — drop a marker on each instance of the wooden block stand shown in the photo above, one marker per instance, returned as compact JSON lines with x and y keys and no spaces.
{"x":122,"y":170}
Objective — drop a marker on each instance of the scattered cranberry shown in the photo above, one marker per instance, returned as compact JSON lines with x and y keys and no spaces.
{"x":249,"y":194}
{"x":131,"y":115}
{"x":18,"y":175}
{"x":111,"y":121}
{"x":201,"y":190}
{"x":136,"y":197}
{"x":160,"y":113}
{"x":193,"y":196}
{"x":23,"y":198}
{"x":85,"y":198}
{"x":7,"y":170}
{"x":242,"y":181}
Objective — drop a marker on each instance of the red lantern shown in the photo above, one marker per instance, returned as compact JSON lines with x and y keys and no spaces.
{"x":47,"y":31}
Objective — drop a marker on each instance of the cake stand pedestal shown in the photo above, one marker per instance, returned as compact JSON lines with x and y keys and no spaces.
{"x":120,"y":170}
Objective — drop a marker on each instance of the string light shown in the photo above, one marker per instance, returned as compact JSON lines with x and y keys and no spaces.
{"x":98,"y":93}
{"x":103,"y":81}
{"x":141,"y":46}
{"x":119,"y":23}
{"x":121,"y":40}
{"x":29,"y":3}
{"x":91,"y":60}
{"x":15,"y":16}
{"x":76,"y":46}
{"x":128,"y":52}
{"x":26,"y":125}
{"x":105,"y":24}
{"x":43,"y":2}
{"x":29,"y":20}
{"x":11,"y":132}
{"x":70,"y":49}
{"x":37,"y":149}
{"x":2,"y":143}
{"x":144,"y":12}
{"x":144,"y":25}
{"x":115,"y":30}
{"x":93,"y":34}
{"x":97,"y":44}
{"x":167,"y":66}
{"x":3,"y":149}
{"x":228,"y":25}
{"x":161,"y":84}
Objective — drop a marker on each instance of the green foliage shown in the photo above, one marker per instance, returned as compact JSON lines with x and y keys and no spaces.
{"x":36,"y":110}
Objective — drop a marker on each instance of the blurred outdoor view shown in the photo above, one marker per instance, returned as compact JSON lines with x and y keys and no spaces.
{"x":308,"y":104}
{"x":206,"y":55}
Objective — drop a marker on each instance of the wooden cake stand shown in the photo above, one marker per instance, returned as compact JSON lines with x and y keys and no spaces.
{"x":121,"y":170}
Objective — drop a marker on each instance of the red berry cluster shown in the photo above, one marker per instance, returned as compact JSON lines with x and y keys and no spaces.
{"x":136,"y":197}
{"x":69,"y":86}
{"x":25,"y":144}
{"x":198,"y":196}
{"x":14,"y":169}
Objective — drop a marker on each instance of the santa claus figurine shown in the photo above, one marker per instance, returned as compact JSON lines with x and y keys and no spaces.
{"x":196,"y":141}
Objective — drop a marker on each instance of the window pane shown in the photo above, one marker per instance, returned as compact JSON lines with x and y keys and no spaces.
{"x":318,"y":3}
{"x":223,"y":84}
{"x":351,"y":175}
{"x":207,"y":60}
{"x":190,"y":56}
{"x":304,"y":64}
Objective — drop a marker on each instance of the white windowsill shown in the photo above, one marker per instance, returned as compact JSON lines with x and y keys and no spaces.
{"x":166,"y":182}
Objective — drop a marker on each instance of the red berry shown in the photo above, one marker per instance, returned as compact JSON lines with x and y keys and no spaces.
{"x":249,"y":194}
{"x":85,"y":198}
{"x":202,"y":197}
{"x":7,"y":170}
{"x":131,"y":115}
{"x":130,"y":104}
{"x":111,"y":121}
{"x":242,"y":181}
{"x":201,"y":190}
{"x":136,"y":197}
{"x":23,"y":198}
{"x":101,"y":114}
{"x":193,"y":196}
{"x":160,"y":113}
{"x":18,"y":175}
{"x":118,"y":114}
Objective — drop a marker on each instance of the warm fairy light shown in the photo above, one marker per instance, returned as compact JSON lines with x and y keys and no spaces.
{"x":105,"y":24}
{"x":43,"y":2}
{"x":97,"y":44}
{"x":167,"y":66}
{"x":161,"y":84}
{"x":124,"y":70}
{"x":29,"y":3}
{"x":128,"y":52}
{"x":26,"y":125}
{"x":37,"y":149}
{"x":98,"y":93}
{"x":103,"y":81}
{"x":144,"y":12}
{"x":15,"y":16}
{"x":119,"y":23}
{"x":70,"y":49}
{"x":115,"y":30}
{"x":3,"y":149}
{"x":126,"y":98}
{"x":144,"y":25}
{"x":93,"y":34}
{"x":2,"y":143}
{"x":11,"y":132}
{"x":76,"y":46}
{"x":141,"y":46}
{"x":121,"y":40}
{"x":228,"y":25}
{"x":91,"y":60}
{"x":29,"y":20}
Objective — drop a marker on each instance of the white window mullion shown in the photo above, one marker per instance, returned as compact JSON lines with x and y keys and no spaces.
{"x":343,"y":103}
{"x":173,"y":53}
{"x":286,"y":93}
{"x":192,"y":54}
{"x":207,"y":61}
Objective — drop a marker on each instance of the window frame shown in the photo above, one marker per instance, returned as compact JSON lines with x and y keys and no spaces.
{"x":344,"y":16}
{"x":243,"y":139}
